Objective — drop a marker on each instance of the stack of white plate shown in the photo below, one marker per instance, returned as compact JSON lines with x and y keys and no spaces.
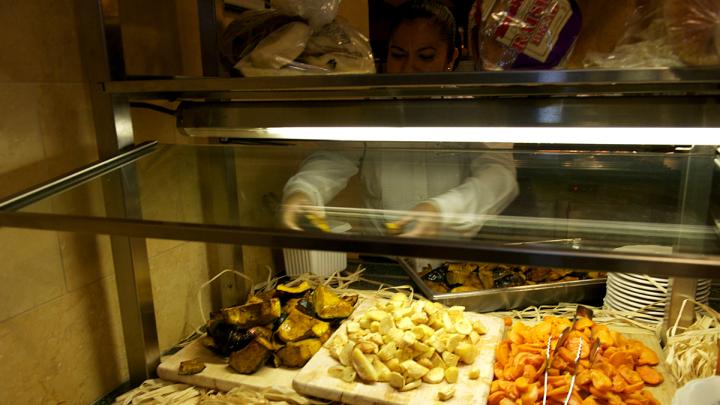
{"x":645,"y":295}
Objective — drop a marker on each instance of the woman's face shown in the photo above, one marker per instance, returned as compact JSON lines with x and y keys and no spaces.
{"x":416,"y":46}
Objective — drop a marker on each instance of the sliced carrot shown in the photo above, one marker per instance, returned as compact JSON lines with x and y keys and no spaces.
{"x":650,"y":375}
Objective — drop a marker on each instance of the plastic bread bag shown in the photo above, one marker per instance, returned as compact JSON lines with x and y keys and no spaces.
{"x":277,"y":50}
{"x":292,"y":50}
{"x":339,"y":48}
{"x":604,"y":25}
{"x":694,"y":30}
{"x":316,"y":12}
{"x":524,"y":34}
{"x":643,"y":44}
{"x":247,"y":30}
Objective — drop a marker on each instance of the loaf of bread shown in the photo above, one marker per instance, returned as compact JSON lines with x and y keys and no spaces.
{"x":694,"y":30}
{"x":527,"y":34}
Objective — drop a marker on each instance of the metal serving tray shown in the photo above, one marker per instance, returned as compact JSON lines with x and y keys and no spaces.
{"x":579,"y":291}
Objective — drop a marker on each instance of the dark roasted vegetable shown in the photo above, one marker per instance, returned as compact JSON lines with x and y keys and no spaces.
{"x":227,"y":338}
{"x":299,"y":326}
{"x":327,"y":305}
{"x":249,"y":315}
{"x":190,"y":367}
{"x":290,"y":304}
{"x":436,"y":275}
{"x":276,"y":324}
{"x":456,"y":277}
{"x":306,"y":307}
{"x":296,"y":354}
{"x":250,"y":358}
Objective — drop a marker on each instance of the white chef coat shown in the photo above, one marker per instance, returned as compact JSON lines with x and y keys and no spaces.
{"x":465,"y":182}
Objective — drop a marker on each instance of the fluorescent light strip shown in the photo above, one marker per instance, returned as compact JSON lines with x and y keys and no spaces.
{"x":547,"y":135}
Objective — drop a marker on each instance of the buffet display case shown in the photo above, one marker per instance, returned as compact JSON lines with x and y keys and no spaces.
{"x":603,"y":159}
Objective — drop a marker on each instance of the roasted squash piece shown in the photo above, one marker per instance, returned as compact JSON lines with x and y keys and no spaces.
{"x":327,"y":305}
{"x":255,"y":314}
{"x":286,"y":292}
{"x":296,"y":354}
{"x":250,"y":358}
{"x":190,"y":367}
{"x":296,"y":290}
{"x":298,"y":326}
{"x":650,"y":375}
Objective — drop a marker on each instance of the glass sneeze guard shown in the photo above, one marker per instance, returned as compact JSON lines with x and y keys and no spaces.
{"x":576,"y":208}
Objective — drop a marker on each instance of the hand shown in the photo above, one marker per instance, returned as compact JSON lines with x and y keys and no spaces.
{"x":296,"y":205}
{"x":426,"y":217}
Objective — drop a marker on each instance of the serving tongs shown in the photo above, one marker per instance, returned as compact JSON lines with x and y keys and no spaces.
{"x":580,"y":311}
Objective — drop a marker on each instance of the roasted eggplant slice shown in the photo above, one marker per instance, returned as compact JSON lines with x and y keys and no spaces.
{"x":227,"y":338}
{"x":249,"y":315}
{"x":327,"y":305}
{"x":296,"y":354}
{"x":299,"y":326}
{"x":250,"y":358}
{"x":306,"y":307}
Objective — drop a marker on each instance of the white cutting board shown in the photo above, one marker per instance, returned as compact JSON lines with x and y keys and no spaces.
{"x":218,"y":374}
{"x":313,"y":379}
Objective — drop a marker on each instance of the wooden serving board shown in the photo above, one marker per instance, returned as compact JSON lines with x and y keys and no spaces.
{"x":313,"y":379}
{"x":218,"y":374}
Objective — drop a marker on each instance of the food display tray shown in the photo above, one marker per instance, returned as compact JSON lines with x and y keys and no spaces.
{"x":496,"y":299}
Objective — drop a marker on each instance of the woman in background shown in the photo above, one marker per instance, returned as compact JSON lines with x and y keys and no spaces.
{"x":422,"y":38}
{"x":440,"y":192}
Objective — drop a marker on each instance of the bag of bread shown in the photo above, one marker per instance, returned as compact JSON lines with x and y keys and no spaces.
{"x":316,"y":12}
{"x":339,"y":48}
{"x":694,"y":30}
{"x":524,"y":34}
{"x":295,"y":49}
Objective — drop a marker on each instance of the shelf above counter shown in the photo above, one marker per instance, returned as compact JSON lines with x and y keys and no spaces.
{"x":568,"y":213}
{"x":669,"y":81}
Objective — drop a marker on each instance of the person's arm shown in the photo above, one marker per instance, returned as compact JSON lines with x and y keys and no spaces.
{"x":490,"y":188}
{"x":322,"y":176}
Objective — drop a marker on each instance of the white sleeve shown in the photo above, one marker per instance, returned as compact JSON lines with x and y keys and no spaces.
{"x":324,"y":174}
{"x":489,"y":189}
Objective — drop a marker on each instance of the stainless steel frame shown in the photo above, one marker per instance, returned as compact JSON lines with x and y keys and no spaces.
{"x":78,"y":176}
{"x":102,"y":55}
{"x":354,"y":87}
{"x":230,"y":118}
{"x":689,"y":266}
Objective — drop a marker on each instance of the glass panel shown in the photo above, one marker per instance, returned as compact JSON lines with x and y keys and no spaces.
{"x":589,"y":199}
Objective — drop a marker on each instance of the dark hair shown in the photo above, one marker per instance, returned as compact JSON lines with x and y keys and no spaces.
{"x":435,"y":11}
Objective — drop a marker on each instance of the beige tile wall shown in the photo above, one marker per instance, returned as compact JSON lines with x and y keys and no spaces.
{"x":60,"y":334}
{"x":60,"y":339}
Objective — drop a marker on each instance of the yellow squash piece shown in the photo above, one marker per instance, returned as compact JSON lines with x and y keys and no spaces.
{"x":255,"y":314}
{"x":295,"y":290}
{"x":328,"y":305}
{"x":298,"y":326}
{"x":250,"y":358}
{"x":296,"y":354}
